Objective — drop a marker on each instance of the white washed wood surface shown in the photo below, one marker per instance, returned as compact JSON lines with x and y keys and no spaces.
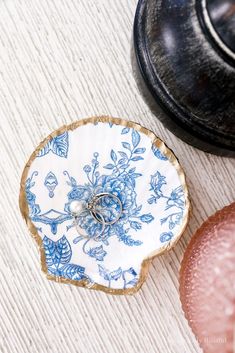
{"x":61,"y":60}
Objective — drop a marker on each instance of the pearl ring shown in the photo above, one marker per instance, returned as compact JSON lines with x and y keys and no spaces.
{"x":77,"y":208}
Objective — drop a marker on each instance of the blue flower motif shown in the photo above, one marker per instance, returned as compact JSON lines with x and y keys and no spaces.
{"x":121,"y":182}
{"x":156,"y":183}
{"x":146,"y":218}
{"x":129,"y":277}
{"x":175,"y":219}
{"x":125,"y":130}
{"x":98,"y":253}
{"x":110,"y":275}
{"x":135,"y":225}
{"x":175,"y":200}
{"x":166,"y":237}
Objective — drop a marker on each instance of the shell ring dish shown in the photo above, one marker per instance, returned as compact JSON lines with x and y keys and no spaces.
{"x":102,"y":197}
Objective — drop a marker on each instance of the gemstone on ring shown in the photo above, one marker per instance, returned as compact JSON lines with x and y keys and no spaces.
{"x":76,"y":207}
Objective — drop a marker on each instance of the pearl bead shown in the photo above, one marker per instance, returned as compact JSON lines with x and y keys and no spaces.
{"x":76,"y":207}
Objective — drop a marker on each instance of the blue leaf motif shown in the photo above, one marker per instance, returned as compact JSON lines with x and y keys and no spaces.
{"x":110,"y":275}
{"x":127,"y":240}
{"x":147,"y":218}
{"x":58,"y":145}
{"x":71,"y":271}
{"x":175,"y":219}
{"x":136,"y":175}
{"x":137,"y":158}
{"x":139,"y":150}
{"x":135,"y":225}
{"x":158,"y":153}
{"x":124,"y":166}
{"x":135,"y":138}
{"x":109,"y":166}
{"x":123,"y":154}
{"x":122,"y":161}
{"x":125,"y":130}
{"x":137,"y":210}
{"x":58,"y":252}
{"x":126,"y":145}
{"x":98,"y":253}
{"x":49,"y":247}
{"x":163,"y":220}
{"x":152,"y":199}
{"x":132,"y":170}
{"x":166,"y":236}
{"x":131,"y":271}
{"x":113,"y":156}
{"x":46,"y":149}
{"x":176,"y":198}
{"x":104,"y":273}
{"x":115,"y":275}
{"x":130,"y":278}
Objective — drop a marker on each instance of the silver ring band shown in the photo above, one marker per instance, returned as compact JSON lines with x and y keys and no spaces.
{"x":92,"y":205}
{"x":77,"y":208}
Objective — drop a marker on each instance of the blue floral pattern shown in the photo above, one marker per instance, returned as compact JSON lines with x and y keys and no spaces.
{"x":58,"y":145}
{"x":115,"y":275}
{"x":121,"y":182}
{"x":34,"y":209}
{"x":52,"y":217}
{"x":58,"y":255}
{"x":174,"y":202}
{"x":131,"y":168}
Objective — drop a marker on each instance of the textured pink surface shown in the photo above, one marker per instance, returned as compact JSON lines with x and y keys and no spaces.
{"x":207,"y":283}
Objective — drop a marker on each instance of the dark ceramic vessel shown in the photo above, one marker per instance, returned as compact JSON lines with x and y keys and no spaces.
{"x":185,"y":66}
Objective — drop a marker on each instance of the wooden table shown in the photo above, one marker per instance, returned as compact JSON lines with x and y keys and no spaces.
{"x":61,"y":61}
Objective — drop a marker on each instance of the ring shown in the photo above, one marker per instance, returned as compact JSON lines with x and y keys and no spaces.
{"x":76,"y":208}
{"x":93,"y":203}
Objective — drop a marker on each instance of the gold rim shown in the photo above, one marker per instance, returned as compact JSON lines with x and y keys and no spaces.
{"x":146,"y":262}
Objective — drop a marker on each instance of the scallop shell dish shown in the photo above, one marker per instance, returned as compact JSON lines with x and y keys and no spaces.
{"x":102,"y":197}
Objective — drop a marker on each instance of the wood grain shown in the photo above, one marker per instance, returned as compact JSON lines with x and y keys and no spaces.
{"x":61,"y":61}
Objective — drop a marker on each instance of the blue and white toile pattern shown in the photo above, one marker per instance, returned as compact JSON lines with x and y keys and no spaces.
{"x":110,"y":158}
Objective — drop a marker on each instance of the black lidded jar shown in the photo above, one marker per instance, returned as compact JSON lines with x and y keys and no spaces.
{"x":184,"y":63}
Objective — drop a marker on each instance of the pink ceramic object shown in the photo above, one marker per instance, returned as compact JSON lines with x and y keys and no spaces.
{"x":207,"y":283}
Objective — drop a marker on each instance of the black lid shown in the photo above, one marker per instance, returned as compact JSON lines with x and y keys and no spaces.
{"x":187,"y":69}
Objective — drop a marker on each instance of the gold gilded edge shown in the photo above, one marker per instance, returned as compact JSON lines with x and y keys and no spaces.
{"x":146,"y":262}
